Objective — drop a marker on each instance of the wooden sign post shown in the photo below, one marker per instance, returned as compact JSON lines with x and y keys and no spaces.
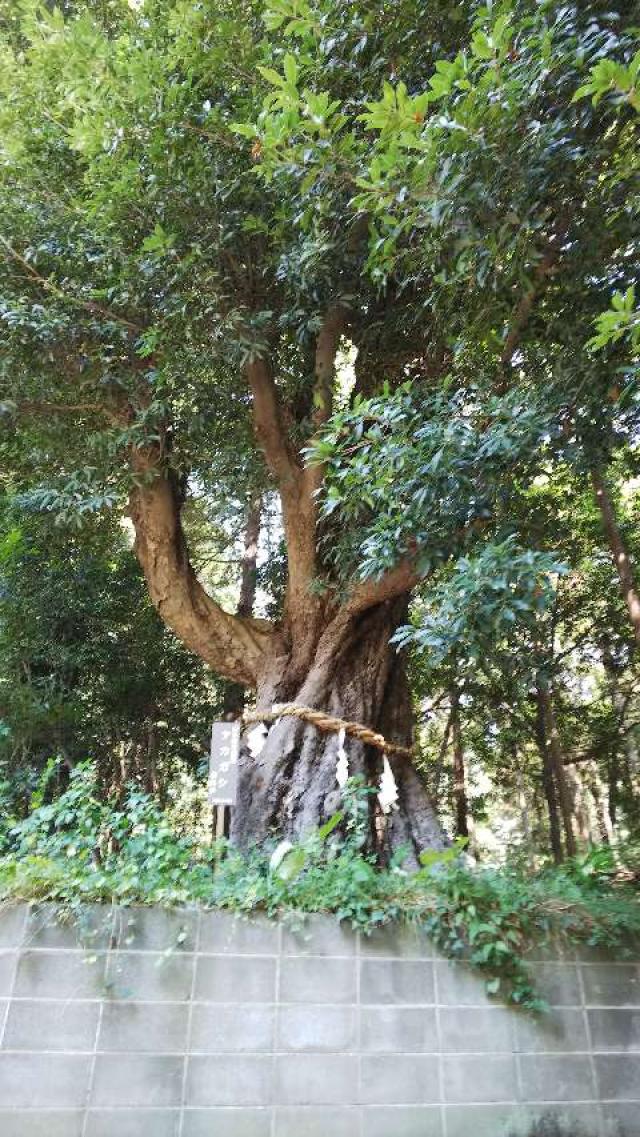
{"x":223,"y":772}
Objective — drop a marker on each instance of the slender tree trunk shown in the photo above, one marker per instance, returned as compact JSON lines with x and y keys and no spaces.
{"x":459,"y":781}
{"x":442,"y":754}
{"x":633,"y":761}
{"x":233,"y":702}
{"x":622,"y":757}
{"x":524,"y":806}
{"x":291,"y":787}
{"x":603,"y":818}
{"x":554,"y":749}
{"x":580,"y":804}
{"x":151,"y":758}
{"x":618,"y":551}
{"x":548,"y":782}
{"x":613,"y":780}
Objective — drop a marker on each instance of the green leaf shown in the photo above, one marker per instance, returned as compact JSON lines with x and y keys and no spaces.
{"x":291,"y":69}
{"x":272,"y":77}
{"x":292,"y":864}
{"x":481,"y":46}
{"x":330,"y":825}
{"x":246,"y":129}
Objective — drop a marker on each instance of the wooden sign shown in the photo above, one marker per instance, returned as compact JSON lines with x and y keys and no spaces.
{"x":223,"y":763}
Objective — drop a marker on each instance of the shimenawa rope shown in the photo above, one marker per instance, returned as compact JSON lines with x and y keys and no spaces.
{"x":327,"y":723}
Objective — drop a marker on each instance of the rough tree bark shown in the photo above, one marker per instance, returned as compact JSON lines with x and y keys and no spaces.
{"x":291,"y":787}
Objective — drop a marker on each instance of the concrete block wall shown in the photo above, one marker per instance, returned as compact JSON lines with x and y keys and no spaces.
{"x":198,"y":1024}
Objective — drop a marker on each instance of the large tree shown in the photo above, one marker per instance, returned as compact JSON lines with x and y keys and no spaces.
{"x":205,"y":207}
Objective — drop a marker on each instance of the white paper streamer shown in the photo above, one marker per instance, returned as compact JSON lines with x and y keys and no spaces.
{"x":342,"y":764}
{"x":256,"y":739}
{"x":279,"y":853}
{"x":388,"y":795}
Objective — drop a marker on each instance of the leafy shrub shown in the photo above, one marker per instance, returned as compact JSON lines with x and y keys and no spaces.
{"x":80,"y":848}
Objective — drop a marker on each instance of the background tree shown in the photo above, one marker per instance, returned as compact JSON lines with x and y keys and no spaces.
{"x":86,"y":666}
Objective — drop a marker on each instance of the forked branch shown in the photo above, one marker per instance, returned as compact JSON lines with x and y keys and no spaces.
{"x":543,"y":271}
{"x":233,"y":646}
{"x":395,"y":582}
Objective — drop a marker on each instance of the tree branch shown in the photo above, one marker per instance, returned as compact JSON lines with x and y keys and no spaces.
{"x":49,"y":407}
{"x":235,"y":647}
{"x":248,"y":582}
{"x":394,"y":582}
{"x":402,"y":578}
{"x":299,"y":510}
{"x":49,"y":286}
{"x":327,"y":346}
{"x":269,"y":429}
{"x":234,"y":695}
{"x":524,"y":307}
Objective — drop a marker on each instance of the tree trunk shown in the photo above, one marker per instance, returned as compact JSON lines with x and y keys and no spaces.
{"x":291,"y":787}
{"x":554,"y":750}
{"x":548,"y":782}
{"x":603,"y":819}
{"x":442,"y":754}
{"x":618,"y":551}
{"x":622,"y":757}
{"x":459,"y":787}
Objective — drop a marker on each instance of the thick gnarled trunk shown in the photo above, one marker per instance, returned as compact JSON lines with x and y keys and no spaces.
{"x":291,"y":787}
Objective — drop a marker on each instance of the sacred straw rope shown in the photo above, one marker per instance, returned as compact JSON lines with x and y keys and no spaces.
{"x":327,"y":723}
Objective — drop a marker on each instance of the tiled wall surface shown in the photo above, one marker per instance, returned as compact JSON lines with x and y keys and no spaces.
{"x":187,"y":1024}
